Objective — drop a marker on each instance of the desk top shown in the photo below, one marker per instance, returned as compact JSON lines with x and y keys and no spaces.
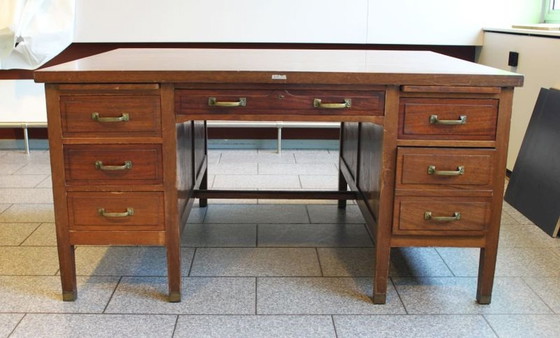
{"x":277,"y":66}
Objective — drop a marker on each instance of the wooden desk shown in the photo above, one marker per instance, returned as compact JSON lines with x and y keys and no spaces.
{"x":423,"y":143}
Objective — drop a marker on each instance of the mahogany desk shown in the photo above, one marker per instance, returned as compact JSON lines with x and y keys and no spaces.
{"x":423,"y":144}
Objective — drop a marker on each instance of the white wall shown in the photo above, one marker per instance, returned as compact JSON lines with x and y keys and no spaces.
{"x":444,"y":22}
{"x":539,"y":64}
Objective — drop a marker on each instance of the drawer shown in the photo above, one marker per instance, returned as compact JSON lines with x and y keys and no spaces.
{"x":110,"y":115}
{"x":441,"y":216}
{"x":113,"y":211}
{"x":448,"y":119}
{"x":113,"y":164}
{"x":445,"y":168}
{"x":279,"y":102}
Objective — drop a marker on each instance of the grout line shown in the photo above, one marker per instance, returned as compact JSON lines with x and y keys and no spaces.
{"x":112,"y":294}
{"x":18,"y":323}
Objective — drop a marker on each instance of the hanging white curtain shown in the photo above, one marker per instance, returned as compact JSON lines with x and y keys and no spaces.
{"x":34,"y":31}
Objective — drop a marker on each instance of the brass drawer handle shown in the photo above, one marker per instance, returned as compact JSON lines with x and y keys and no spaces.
{"x":123,"y":118}
{"x":432,"y":171}
{"x":462,"y":120}
{"x":317,"y":103}
{"x":127,"y":213}
{"x":428,"y":217}
{"x":99,"y":165}
{"x":213,"y":102}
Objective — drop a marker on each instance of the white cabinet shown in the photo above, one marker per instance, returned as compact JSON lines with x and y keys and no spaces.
{"x":538,"y":62}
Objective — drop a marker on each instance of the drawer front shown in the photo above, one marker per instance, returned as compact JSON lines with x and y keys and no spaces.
{"x":445,"y":168}
{"x":113,"y":164}
{"x":279,"y":102}
{"x":441,"y":216}
{"x":448,"y":119}
{"x":110,"y":115}
{"x":113,"y":211}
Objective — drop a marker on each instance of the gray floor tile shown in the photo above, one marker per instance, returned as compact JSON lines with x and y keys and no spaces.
{"x":44,"y":235}
{"x":418,"y":262}
{"x":412,"y":326}
{"x":256,"y":181}
{"x":26,"y":195}
{"x":16,"y":233}
{"x":332,"y":214}
{"x":511,"y":261}
{"x":256,"y":214}
{"x":4,"y":207}
{"x":346,"y":262}
{"x":254,"y":326}
{"x":322,"y":296}
{"x":314,"y":182}
{"x":24,"y":213}
{"x":46,"y":183}
{"x":7,"y":168}
{"x":233,"y":169}
{"x":297,"y":169}
{"x":42,"y":294}
{"x":548,"y":289}
{"x":96,"y":325}
{"x":452,"y":295}
{"x":255,"y":262}
{"x":220,"y":235}
{"x":315,"y":156}
{"x":516,"y":215}
{"x":313,"y":235}
{"x":21,"y":181}
{"x":8,"y":323}
{"x":542,"y":326}
{"x":19,"y":261}
{"x":197,"y":215}
{"x":127,"y":261}
{"x":343,"y":262}
{"x":271,"y":156}
{"x":238,"y":156}
{"x":35,"y":168}
{"x":525,"y":236}
{"x":199,"y":296}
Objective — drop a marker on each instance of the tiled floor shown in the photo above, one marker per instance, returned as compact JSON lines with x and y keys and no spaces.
{"x":255,"y":268}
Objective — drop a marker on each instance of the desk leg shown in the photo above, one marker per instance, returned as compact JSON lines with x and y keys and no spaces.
{"x":382,"y":258}
{"x":486,"y":268}
{"x":203,"y":202}
{"x":342,"y":186}
{"x":67,"y":263}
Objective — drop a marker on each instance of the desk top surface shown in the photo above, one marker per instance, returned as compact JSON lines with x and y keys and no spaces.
{"x":358,"y":67}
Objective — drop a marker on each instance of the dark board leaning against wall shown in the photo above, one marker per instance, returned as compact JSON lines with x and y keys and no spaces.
{"x":534,"y":187}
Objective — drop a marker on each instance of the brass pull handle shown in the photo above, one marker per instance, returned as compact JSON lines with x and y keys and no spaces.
{"x":317,"y":103}
{"x":432,"y":171}
{"x":428,"y":217}
{"x":462,"y":120}
{"x":99,"y":165}
{"x":213,"y":102}
{"x":128,"y":212}
{"x":123,"y":118}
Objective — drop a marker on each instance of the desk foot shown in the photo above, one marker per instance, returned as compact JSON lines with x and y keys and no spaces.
{"x":174,"y":297}
{"x":483,"y":300}
{"x":342,"y":204}
{"x":69,"y":296}
{"x":380,"y":298}
{"x":203,"y":203}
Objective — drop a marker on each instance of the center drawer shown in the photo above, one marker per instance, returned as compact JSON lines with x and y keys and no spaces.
{"x":113,"y":164}
{"x":279,"y":102}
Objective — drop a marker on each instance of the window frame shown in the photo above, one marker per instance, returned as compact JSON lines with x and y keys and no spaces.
{"x":551,"y":15}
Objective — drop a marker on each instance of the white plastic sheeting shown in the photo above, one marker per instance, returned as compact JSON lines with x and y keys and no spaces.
{"x":34,"y":31}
